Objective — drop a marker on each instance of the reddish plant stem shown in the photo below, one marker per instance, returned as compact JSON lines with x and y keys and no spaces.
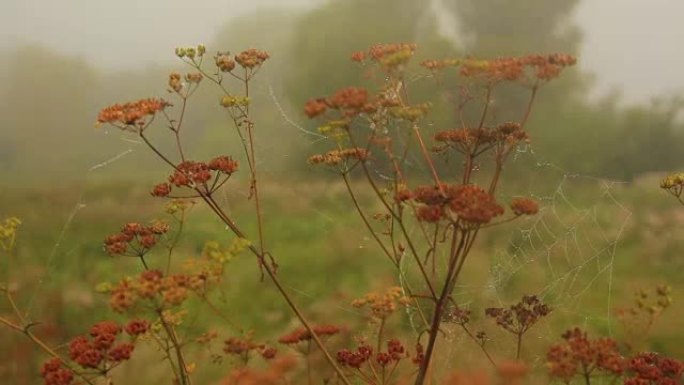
{"x":456,"y":252}
{"x":414,"y":252}
{"x":208,"y":199}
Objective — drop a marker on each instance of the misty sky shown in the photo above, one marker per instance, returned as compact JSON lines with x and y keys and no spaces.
{"x":635,"y":45}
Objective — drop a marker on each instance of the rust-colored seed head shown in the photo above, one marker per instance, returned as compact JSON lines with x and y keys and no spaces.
{"x":121,"y":352}
{"x":315,"y":107}
{"x":131,"y":113}
{"x":137,"y":327}
{"x":54,"y":374}
{"x":161,"y":190}
{"x":251,"y":58}
{"x":224,"y":164}
{"x":524,"y":206}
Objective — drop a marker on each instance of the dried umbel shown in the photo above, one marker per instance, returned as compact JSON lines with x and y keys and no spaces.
{"x":224,"y":62}
{"x":365,"y":355}
{"x":654,"y":369}
{"x":468,"y":203}
{"x":251,"y":58}
{"x":132,"y":116}
{"x":101,"y":349}
{"x":54,"y":373}
{"x":382,"y":305}
{"x":520,"y":317}
{"x":135,"y":239}
{"x":582,"y":356}
{"x":524,"y":206}
{"x":158,"y":291}
{"x":340,"y":157}
{"x":389,"y":56}
{"x":191,"y":174}
{"x":137,"y":327}
{"x":355,"y":359}
{"x":515,"y":69}
{"x":477,"y":140}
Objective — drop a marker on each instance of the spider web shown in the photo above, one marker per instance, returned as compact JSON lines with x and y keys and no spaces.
{"x":565,"y":254}
{"x":567,"y":251}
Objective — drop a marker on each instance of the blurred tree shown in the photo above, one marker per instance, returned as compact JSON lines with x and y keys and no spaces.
{"x":47,"y":111}
{"x":613,"y":140}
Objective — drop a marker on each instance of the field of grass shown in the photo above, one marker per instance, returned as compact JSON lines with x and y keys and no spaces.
{"x":591,"y":247}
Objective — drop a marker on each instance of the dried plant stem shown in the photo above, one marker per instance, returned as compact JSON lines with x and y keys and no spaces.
{"x":25,"y":330}
{"x":171,"y":333}
{"x":486,"y":353}
{"x":274,"y":278}
{"x":393,"y":258}
{"x":392,"y":212}
{"x":455,"y":254}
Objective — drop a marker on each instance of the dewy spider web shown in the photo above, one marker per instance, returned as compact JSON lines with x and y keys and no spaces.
{"x":572,"y":244}
{"x":574,"y":239}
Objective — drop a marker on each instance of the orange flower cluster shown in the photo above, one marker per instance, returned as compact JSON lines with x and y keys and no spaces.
{"x":315,"y":107}
{"x":154,"y":287}
{"x":176,"y":84}
{"x":382,"y":305}
{"x":652,"y":369}
{"x":251,"y":58}
{"x":336,"y":157}
{"x":191,"y":173}
{"x":349,"y":101}
{"x":100,"y":349}
{"x":54,"y":374}
{"x":355,"y":359}
{"x":468,"y":202}
{"x":472,"y":204}
{"x":389,"y":56}
{"x":541,"y":67}
{"x":133,"y":113}
{"x":135,"y":239}
{"x":303,"y":335}
{"x":476,"y":140}
{"x":524,"y":206}
{"x":137,"y":327}
{"x":580,"y":355}
{"x":521,"y":316}
{"x":224,"y":62}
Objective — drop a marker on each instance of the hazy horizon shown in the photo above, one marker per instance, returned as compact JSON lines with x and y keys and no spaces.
{"x":128,"y":34}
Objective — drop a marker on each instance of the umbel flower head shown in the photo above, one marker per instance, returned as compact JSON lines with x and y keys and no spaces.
{"x":131,"y":114}
{"x":470,"y":203}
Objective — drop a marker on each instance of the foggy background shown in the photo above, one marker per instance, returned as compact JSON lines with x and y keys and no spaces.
{"x":602,"y":136}
{"x":62,"y":61}
{"x":634,"y":46}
